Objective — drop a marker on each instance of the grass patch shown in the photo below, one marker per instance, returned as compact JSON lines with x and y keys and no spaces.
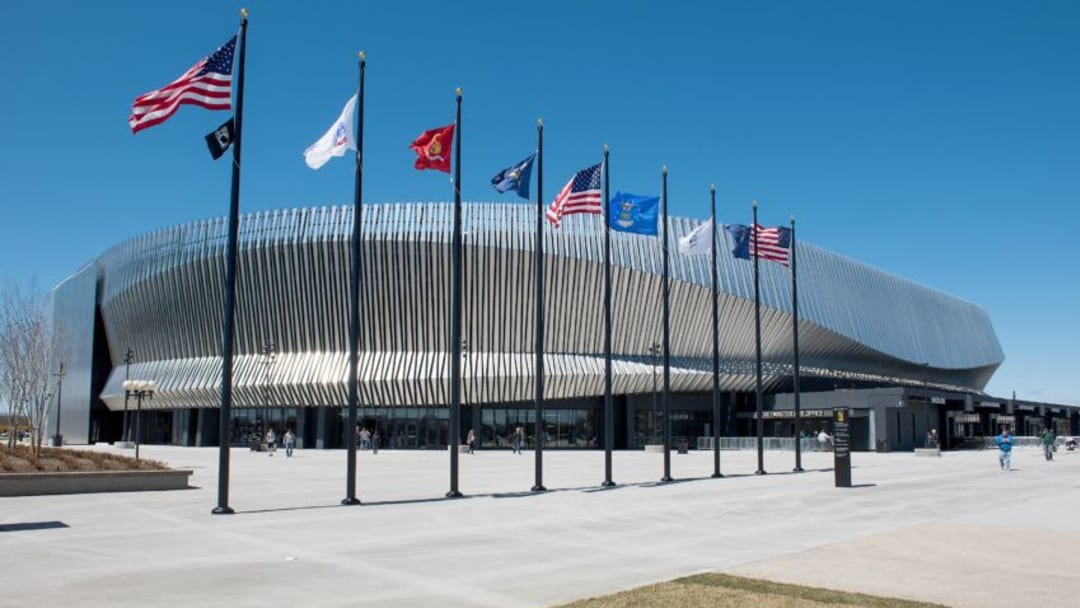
{"x":55,"y":460}
{"x":725,"y":591}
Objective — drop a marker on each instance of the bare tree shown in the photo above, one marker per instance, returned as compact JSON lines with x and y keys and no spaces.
{"x":28,"y":349}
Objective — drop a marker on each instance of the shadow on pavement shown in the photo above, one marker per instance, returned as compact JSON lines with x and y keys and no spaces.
{"x":33,"y":525}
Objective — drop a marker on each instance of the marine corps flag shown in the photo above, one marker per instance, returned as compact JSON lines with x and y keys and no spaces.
{"x":433,"y":149}
{"x":220,"y":140}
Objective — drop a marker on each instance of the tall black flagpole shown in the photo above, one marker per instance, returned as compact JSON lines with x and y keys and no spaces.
{"x":667,"y":344}
{"x":455,"y":314}
{"x":757,"y":335}
{"x":354,"y":297}
{"x":227,"y":331}
{"x":609,"y":407}
{"x":795,"y":346}
{"x":538,"y":272}
{"x":715,"y":343}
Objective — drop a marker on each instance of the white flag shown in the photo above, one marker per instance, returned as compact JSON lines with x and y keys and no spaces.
{"x":698,"y":242}
{"x":336,"y":141}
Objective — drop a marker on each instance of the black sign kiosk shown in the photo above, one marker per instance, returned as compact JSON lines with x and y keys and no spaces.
{"x":842,"y":446}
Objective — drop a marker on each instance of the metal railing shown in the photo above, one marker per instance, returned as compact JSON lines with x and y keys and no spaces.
{"x":809,"y":444}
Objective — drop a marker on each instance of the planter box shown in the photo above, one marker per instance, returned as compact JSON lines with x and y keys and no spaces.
{"x":36,"y":484}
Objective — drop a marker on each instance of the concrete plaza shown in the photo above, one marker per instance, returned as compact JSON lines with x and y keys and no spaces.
{"x":953,"y":529}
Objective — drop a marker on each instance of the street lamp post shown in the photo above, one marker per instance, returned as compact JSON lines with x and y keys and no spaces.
{"x":465,"y":386}
{"x":58,"y":439}
{"x":269,"y":352}
{"x":654,"y":350}
{"x":129,"y":356}
{"x":139,"y":389}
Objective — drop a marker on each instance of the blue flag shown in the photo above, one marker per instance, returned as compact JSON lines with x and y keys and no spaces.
{"x":515,"y":178}
{"x":741,"y":235}
{"x":633,"y":213}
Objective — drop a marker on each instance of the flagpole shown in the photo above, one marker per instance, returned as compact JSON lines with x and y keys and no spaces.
{"x":609,"y":408}
{"x":354,"y":298}
{"x":715,"y":343}
{"x":225,"y":413}
{"x":795,"y":346}
{"x":538,"y":273}
{"x":667,"y":343}
{"x":455,"y":314}
{"x":757,"y":335}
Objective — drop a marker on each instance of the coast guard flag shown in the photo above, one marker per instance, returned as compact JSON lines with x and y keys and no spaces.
{"x":633,"y":213}
{"x":515,"y":178}
{"x":336,"y":140}
{"x":698,"y":242}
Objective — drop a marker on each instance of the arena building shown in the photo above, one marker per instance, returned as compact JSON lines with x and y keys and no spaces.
{"x":919,"y":357}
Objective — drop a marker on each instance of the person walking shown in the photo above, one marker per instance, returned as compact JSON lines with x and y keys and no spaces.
{"x":470,"y":439}
{"x":518,"y":439}
{"x":1048,"y":439}
{"x":290,"y":443}
{"x":271,"y":441}
{"x":1004,"y":442}
{"x":823,"y":441}
{"x":375,"y":441}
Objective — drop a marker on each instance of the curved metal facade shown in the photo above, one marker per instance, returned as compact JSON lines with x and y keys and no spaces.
{"x":161,"y":296}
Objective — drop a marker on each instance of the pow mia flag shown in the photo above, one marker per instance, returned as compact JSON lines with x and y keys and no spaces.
{"x":220,"y":139}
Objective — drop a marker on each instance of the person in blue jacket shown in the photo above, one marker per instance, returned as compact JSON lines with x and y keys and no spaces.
{"x":1004,"y":442}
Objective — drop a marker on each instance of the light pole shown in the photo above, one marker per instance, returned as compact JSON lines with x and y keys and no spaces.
{"x":58,"y":439}
{"x":654,"y":350}
{"x":129,"y":356}
{"x":465,"y":386}
{"x":269,"y":352}
{"x":139,"y":389}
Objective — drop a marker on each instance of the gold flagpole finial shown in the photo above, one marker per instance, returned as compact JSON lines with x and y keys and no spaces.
{"x":457,"y":91}
{"x":363,"y":56}
{"x":540,"y":122}
{"x":712,"y":187}
{"x":664,"y":169}
{"x":244,"y":13}
{"x":605,"y":147}
{"x":755,"y":203}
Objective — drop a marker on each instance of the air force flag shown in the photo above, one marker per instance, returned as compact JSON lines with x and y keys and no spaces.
{"x":335,"y":141}
{"x":633,"y":213}
{"x":699,"y":241}
{"x":515,"y":178}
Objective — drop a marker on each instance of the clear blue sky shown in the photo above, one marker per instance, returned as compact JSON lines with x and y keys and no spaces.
{"x":935,"y":140}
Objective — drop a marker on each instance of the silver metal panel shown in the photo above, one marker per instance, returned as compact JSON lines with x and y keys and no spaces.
{"x":162,"y":297}
{"x":74,"y":309}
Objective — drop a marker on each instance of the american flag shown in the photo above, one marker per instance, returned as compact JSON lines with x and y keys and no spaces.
{"x":207,"y":84}
{"x":581,"y":194}
{"x":772,"y":243}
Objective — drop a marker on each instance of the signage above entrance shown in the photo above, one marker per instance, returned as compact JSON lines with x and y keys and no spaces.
{"x":790,"y":414}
